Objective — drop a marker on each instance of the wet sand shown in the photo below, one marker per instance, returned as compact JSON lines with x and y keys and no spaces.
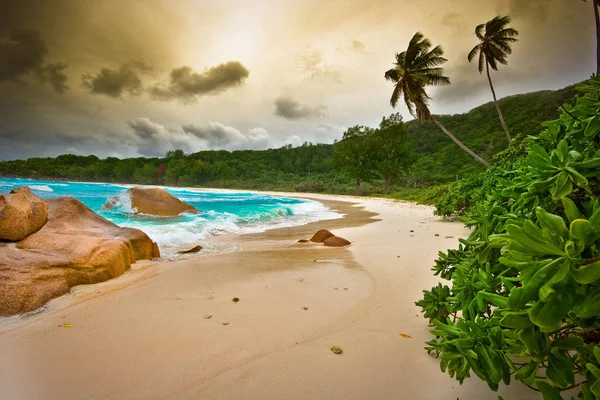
{"x":170,"y":330}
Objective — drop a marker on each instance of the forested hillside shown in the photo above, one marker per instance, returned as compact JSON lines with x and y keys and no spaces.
{"x":431,"y":157}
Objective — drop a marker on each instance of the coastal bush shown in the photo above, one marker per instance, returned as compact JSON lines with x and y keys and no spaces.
{"x":523,"y":295}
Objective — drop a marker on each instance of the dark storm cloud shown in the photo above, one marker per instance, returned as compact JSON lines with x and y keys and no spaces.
{"x":185,"y":84}
{"x":531,"y":9}
{"x":53,"y":73}
{"x":23,"y":56}
{"x":114,"y":83}
{"x":290,"y":108}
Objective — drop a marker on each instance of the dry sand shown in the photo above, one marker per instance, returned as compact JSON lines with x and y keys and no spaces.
{"x":148,"y":335}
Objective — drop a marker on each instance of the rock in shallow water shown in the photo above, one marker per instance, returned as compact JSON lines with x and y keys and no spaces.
{"x":76,"y":246}
{"x":154,"y":201}
{"x":21,"y":214}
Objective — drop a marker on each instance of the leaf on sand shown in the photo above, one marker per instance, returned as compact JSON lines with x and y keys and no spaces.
{"x":405,"y":336}
{"x":66,"y":325}
{"x":336,"y":350}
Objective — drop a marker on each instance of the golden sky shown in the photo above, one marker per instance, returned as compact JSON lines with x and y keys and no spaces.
{"x":141,"y":77}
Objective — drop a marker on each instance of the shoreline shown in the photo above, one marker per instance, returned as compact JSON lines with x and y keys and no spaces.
{"x":147,"y":335}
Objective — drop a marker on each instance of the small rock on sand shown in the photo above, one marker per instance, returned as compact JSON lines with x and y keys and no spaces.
{"x":321,"y":236}
{"x":336,"y":241}
{"x":336,"y":350}
{"x":224,"y":323}
{"x":235,"y":299}
{"x":208,"y":316}
{"x":303,"y":241}
{"x":437,"y":234}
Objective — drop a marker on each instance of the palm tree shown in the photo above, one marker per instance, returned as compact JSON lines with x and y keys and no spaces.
{"x":597,"y":17}
{"x":414,"y":69}
{"x":493,"y":49}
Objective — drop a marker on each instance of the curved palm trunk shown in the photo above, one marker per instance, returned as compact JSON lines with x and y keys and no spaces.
{"x":487,"y":69}
{"x":597,"y":37}
{"x":458,"y":142}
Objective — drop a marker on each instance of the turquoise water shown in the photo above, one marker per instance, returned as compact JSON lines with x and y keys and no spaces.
{"x":222,"y":211}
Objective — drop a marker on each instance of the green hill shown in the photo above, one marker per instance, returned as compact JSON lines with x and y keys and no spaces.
{"x":309,"y":167}
{"x":440,"y":160}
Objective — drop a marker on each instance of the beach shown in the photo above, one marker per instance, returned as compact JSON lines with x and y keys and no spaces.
{"x":171,"y":330}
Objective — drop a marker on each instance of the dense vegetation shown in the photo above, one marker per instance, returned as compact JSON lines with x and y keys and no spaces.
{"x":431,"y":158}
{"x":523,"y":301}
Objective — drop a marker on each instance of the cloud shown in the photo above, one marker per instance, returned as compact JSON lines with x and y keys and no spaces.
{"x":356,"y":47}
{"x":539,"y":9}
{"x":314,"y":67}
{"x":53,"y":73}
{"x":23,"y":55}
{"x":185,"y":84}
{"x":218,"y":136}
{"x":290,"y":108}
{"x":153,"y":139}
{"x":114,"y":83}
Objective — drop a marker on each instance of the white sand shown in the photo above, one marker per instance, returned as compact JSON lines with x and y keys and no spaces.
{"x":144,"y":335}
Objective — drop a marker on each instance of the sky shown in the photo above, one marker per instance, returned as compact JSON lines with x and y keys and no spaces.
{"x":142,"y":77}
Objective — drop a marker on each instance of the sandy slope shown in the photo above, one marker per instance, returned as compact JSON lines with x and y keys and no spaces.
{"x":145,"y":335}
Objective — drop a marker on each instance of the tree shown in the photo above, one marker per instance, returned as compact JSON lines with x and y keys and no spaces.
{"x":495,"y":40}
{"x":596,"y":6}
{"x":414,"y":69}
{"x":352,"y":154}
{"x":390,"y":149}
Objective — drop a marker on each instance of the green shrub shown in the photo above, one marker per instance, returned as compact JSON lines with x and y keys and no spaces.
{"x":523,"y":301}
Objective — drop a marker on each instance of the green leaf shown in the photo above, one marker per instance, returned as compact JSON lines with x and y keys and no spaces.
{"x":549,"y":315}
{"x":495,"y":299}
{"x":587,"y":274}
{"x":516,"y":320}
{"x":527,"y":371}
{"x":592,"y":127}
{"x":563,"y":186}
{"x":577,"y":177}
{"x":583,"y":231}
{"x":571,"y":210}
{"x":593,"y":369}
{"x":530,"y":339}
{"x":569,"y":343}
{"x":560,"y":369}
{"x":532,"y":241}
{"x":548,"y":391}
{"x":596,"y":350}
{"x":555,"y":224}
{"x":590,"y":306}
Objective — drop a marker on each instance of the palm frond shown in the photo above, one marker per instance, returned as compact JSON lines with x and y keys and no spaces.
{"x":396,"y":95}
{"x":392,"y":75}
{"x":473,"y":52}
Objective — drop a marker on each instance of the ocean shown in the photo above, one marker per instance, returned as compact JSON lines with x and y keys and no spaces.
{"x":223,"y":212}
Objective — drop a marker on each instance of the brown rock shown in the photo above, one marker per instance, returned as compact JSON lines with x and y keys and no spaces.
{"x":321,"y":236}
{"x":21,"y":214}
{"x":303,"y":241}
{"x":194,"y":249}
{"x":154,"y":201}
{"x":76,"y":246}
{"x":336,"y":241}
